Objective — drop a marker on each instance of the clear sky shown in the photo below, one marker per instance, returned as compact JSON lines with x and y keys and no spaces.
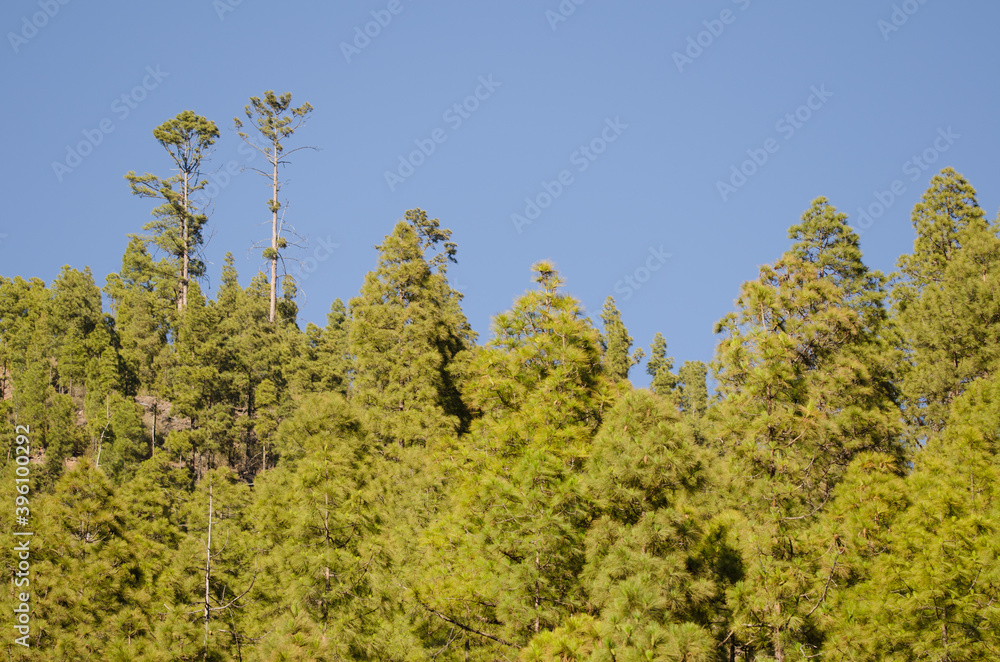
{"x":618,"y":119}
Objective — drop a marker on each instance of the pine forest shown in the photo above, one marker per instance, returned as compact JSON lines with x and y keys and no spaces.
{"x":212,"y":479}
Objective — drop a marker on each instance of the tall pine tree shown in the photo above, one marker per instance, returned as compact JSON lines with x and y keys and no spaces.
{"x":178,"y":223}
{"x":948,"y":299}
{"x":616,"y":343}
{"x":407,"y":334}
{"x":805,"y":374}
{"x":504,"y":559}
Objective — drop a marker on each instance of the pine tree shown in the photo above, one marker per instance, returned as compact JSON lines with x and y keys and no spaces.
{"x":76,"y":315}
{"x":506,"y":554}
{"x":932,"y":590}
{"x":692,"y":389}
{"x":23,"y":303}
{"x":322,"y":362}
{"x":86,"y":579}
{"x":141,"y":299}
{"x":208,"y":591}
{"x":231,"y":376}
{"x":616,"y":343}
{"x":275,"y":119}
{"x":409,"y":341}
{"x":948,"y":299}
{"x":177,"y":225}
{"x":805,"y":374}
{"x":316,"y":518}
{"x":155,"y":519}
{"x":649,"y":574}
{"x":204,"y":388}
{"x":659,"y":367}
{"x":26,"y":350}
{"x":407,"y":333}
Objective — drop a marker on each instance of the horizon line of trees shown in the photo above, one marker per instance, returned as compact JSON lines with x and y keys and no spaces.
{"x":387,"y":488}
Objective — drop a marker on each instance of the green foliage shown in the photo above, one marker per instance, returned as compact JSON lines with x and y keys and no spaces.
{"x":692,"y":389}
{"x":207,"y":589}
{"x":647,"y":573}
{"x":81,"y":535}
{"x":616,"y":343}
{"x":119,"y":441}
{"x":275,"y":120}
{"x":948,"y":299}
{"x":141,"y":298}
{"x":805,"y":375}
{"x":506,"y":554}
{"x":177,"y":225}
{"x":315,"y":514}
{"x":384,"y":489}
{"x":659,"y":367}
{"x":321,"y":360}
{"x":931,"y":591}
{"x":407,"y":336}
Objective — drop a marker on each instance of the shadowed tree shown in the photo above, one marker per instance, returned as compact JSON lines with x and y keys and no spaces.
{"x":407,"y":333}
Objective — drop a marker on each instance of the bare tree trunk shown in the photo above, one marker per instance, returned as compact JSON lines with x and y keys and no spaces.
{"x":152,"y":441}
{"x":326,"y":567}
{"x":274,"y":237}
{"x":208,"y":566}
{"x":538,"y":600}
{"x":185,"y":229}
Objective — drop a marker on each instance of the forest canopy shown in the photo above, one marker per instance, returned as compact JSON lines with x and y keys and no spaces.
{"x":210,"y":479}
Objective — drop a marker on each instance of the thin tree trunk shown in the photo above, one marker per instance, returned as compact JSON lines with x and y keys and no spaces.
{"x":538,"y":601}
{"x":326,"y":568}
{"x":185,"y":229}
{"x":208,"y":566}
{"x":274,"y":236}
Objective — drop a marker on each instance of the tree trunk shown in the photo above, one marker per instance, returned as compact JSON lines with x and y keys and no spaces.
{"x":274,"y":236}
{"x":538,"y":600}
{"x":208,"y":566}
{"x":152,"y":441}
{"x":185,"y":229}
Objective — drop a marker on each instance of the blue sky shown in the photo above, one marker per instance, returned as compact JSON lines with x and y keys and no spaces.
{"x":618,"y":120}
